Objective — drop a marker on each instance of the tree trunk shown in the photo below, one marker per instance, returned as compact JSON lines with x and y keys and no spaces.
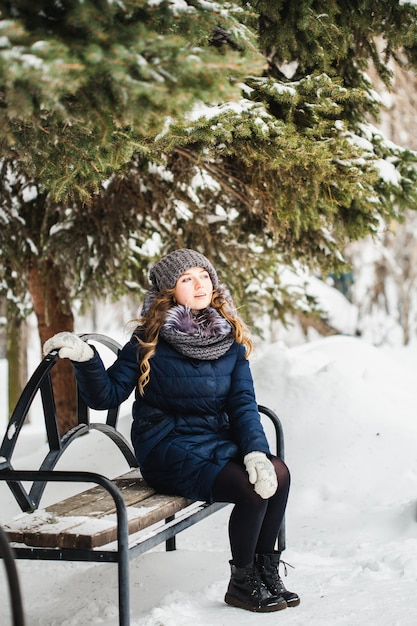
{"x":51,"y":304}
{"x":16,"y":354}
{"x":3,"y":325}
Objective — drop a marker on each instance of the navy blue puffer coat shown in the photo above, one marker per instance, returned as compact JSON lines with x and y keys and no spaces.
{"x":194,"y":416}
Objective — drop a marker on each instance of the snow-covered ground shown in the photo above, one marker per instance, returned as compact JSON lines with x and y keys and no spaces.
{"x":349,"y":412}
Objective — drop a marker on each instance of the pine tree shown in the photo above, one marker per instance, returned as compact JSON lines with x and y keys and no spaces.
{"x":243,"y":130}
{"x":84,"y":86}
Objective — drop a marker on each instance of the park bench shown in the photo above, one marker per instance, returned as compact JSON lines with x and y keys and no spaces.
{"x":115,"y":520}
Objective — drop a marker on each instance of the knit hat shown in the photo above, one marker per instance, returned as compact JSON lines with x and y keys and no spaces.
{"x":166,"y":272}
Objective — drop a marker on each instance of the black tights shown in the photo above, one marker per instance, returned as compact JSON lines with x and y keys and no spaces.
{"x":254,"y":523}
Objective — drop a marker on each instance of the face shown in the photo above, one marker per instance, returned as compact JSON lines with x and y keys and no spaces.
{"x":194,"y":289}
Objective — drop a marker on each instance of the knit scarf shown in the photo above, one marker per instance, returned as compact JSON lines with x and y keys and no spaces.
{"x":205,"y":335}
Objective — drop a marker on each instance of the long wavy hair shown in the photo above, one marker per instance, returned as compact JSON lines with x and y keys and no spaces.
{"x":153,"y":320}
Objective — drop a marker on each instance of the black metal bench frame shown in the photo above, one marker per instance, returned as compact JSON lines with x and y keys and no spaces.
{"x":16,"y":605}
{"x":29,"y":501}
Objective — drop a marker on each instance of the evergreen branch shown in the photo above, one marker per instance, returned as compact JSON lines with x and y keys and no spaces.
{"x":217,"y":173}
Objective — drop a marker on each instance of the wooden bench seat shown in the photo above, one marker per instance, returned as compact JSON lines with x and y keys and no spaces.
{"x":88,"y":520}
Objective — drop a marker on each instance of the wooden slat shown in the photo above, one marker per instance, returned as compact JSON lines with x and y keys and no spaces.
{"x":98,"y":502}
{"x":48,"y":532}
{"x":88,"y":520}
{"x":154,"y":509}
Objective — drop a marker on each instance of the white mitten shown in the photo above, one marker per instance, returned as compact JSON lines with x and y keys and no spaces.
{"x":69,"y":346}
{"x":261,"y":474}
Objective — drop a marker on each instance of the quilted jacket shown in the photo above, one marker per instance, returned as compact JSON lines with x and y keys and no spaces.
{"x":193,"y":418}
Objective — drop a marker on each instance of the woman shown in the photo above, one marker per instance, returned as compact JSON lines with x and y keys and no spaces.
{"x":196,"y":429}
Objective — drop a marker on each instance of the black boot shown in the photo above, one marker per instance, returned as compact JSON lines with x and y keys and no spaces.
{"x":268,"y":567}
{"x":247,"y":591}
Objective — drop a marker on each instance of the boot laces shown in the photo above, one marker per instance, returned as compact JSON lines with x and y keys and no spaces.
{"x":286,"y":565}
{"x":277,"y":578}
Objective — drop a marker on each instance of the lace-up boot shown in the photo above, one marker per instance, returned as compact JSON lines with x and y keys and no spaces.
{"x":268,"y":568}
{"x":247,"y":591}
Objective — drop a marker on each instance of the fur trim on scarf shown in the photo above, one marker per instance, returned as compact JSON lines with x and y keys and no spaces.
{"x":205,"y":323}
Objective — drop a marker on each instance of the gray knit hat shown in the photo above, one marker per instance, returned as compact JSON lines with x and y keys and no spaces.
{"x":166,"y":272}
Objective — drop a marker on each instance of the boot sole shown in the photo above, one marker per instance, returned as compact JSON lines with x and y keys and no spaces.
{"x":292,"y":603}
{"x":269,"y":608}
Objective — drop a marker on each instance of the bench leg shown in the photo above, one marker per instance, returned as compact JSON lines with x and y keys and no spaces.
{"x":124,"y":596}
{"x":170,"y":543}
{"x":122,"y":550}
{"x":6,"y":553}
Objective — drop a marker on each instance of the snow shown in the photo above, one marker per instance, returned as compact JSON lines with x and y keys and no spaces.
{"x":202,"y":110}
{"x":387,"y":171}
{"x":45,"y":523}
{"x":348,"y":410}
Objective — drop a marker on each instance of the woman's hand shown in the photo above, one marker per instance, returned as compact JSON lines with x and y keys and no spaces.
{"x":69,"y":346}
{"x":261,"y":474}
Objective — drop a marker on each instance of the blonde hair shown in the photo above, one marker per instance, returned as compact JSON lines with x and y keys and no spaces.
{"x":153,"y":320}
